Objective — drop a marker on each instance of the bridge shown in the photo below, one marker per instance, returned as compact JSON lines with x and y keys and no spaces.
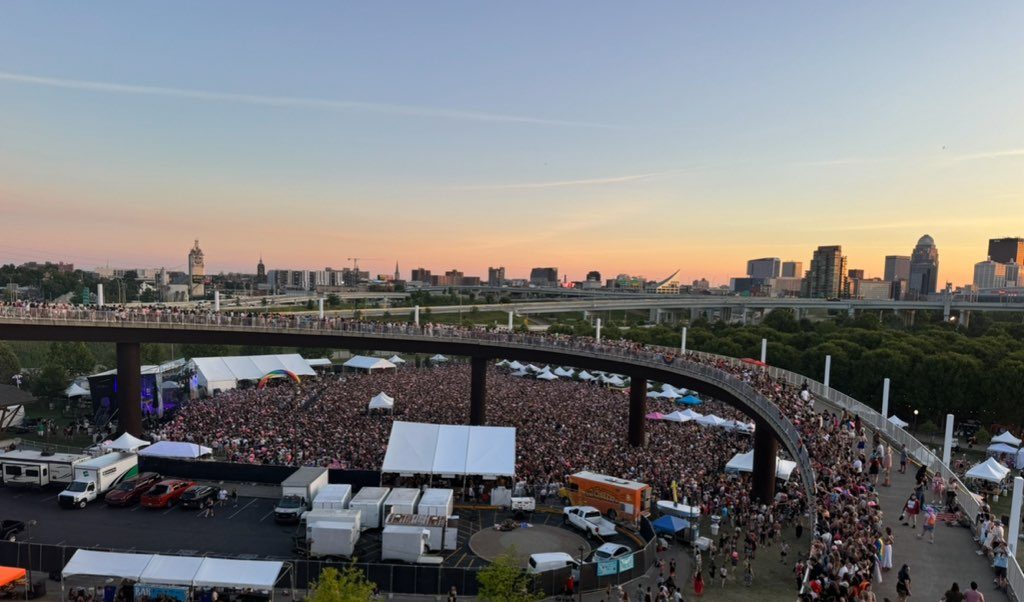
{"x":128,"y":331}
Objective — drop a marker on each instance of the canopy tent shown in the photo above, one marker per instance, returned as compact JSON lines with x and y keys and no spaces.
{"x":175,"y":449}
{"x":532,"y":368}
{"x":1007,"y":438}
{"x":438,"y":358}
{"x":76,"y":390}
{"x":382,"y":401}
{"x":171,"y":570}
{"x":655,"y":416}
{"x":223,"y":373}
{"x":1001,"y":448}
{"x":691,"y":414}
{"x":499,"y":363}
{"x":519,"y":373}
{"x":546,"y":375}
{"x":586,"y":376}
{"x":515,"y":365}
{"x":736,"y":425}
{"x":566,"y":372}
{"x":989,"y":470}
{"x":395,"y":359}
{"x":364,"y":362}
{"x":10,"y":574}
{"x":745,"y":463}
{"x":667,"y":388}
{"x":418,"y":448}
{"x":654,"y":394}
{"x":90,"y":563}
{"x":900,"y":423}
{"x":319,"y":362}
{"x":175,"y":570}
{"x":677,"y":417}
{"x":710,"y":420}
{"x":223,"y":572}
{"x":126,"y":442}
{"x":613,"y":381}
{"x":670,"y":524}
{"x":690,"y":400}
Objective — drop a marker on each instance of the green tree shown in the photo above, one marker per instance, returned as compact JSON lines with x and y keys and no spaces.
{"x":333,"y":300}
{"x":9,"y":364}
{"x":72,"y":358}
{"x":782,"y":320}
{"x":48,"y":382}
{"x":504,"y":581}
{"x":346,"y":585}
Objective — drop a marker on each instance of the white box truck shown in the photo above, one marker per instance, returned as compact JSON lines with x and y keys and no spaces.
{"x":408,"y":544}
{"x":96,"y":476}
{"x":370,"y":501}
{"x":442,"y":531}
{"x":333,"y":497}
{"x":401,"y":500}
{"x":437,"y":502}
{"x":331,"y":533}
{"x":298,"y":492}
{"x":38,"y":468}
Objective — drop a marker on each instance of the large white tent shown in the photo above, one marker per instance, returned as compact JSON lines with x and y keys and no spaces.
{"x":76,"y":390}
{"x":224,"y":572}
{"x":175,"y":570}
{"x":691,"y":414}
{"x":175,"y":449}
{"x":745,"y":463}
{"x":382,"y":401}
{"x":224,"y":372}
{"x":364,"y":362}
{"x":395,"y":359}
{"x":1007,"y":438}
{"x":418,"y":448}
{"x":90,"y":563}
{"x":677,"y":416}
{"x":989,"y":470}
{"x":171,"y":570}
{"x":1001,"y":448}
{"x":126,"y":442}
{"x":546,"y":375}
{"x":567,"y":372}
{"x":586,"y":376}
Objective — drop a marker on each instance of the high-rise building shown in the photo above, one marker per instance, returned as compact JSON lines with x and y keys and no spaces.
{"x":792,"y":269}
{"x":1005,"y":250}
{"x":855,"y":274}
{"x":196,"y":273}
{"x":827,"y":277}
{"x":398,"y":275}
{"x":924,"y":268}
{"x":766,"y":267}
{"x":496,"y":276}
{"x":261,"y":272}
{"x":421,"y":275}
{"x":453,"y":278}
{"x":875,"y":288}
{"x":897,"y":267}
{"x":989,"y":274}
{"x":544,"y":276}
{"x":1013,"y":274}
{"x":593,"y":276}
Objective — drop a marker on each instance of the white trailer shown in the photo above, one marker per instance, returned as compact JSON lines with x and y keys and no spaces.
{"x":437,"y":502}
{"x":333,"y":497}
{"x":408,"y":544}
{"x":402,"y":500}
{"x":443,"y":532}
{"x":30,"y":467}
{"x":332,"y":532}
{"x":298,"y":492}
{"x":370,"y":501}
{"x":96,"y":476}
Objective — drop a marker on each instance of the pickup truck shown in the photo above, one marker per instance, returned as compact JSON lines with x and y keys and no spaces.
{"x":589,"y":520}
{"x":10,"y":528}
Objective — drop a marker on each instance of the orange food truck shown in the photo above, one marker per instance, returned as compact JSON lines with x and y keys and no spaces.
{"x":616,"y":498}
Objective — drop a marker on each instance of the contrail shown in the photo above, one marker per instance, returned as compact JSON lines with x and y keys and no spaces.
{"x":1013,"y":152}
{"x":321,"y":104}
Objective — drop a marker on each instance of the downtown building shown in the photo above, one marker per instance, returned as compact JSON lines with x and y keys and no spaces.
{"x":924,"y":269}
{"x":827,"y":277}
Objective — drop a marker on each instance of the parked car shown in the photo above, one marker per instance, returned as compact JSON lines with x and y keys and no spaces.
{"x":9,"y":529}
{"x":165,"y":494}
{"x":196,"y":495}
{"x":610,"y":551}
{"x":130,"y":492}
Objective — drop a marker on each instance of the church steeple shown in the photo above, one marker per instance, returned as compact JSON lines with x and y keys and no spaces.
{"x":397,"y":277}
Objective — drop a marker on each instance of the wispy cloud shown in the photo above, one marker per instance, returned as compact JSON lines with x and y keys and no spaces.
{"x":567,"y":183}
{"x":1013,"y":152}
{"x":321,"y":104}
{"x":842,"y":162}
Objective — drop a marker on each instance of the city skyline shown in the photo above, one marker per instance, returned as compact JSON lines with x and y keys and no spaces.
{"x":703,"y":138}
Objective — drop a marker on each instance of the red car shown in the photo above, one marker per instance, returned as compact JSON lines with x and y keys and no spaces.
{"x":165,"y":494}
{"x":129,"y":492}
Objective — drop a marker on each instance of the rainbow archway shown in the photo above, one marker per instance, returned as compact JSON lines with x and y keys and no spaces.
{"x":277,"y":374}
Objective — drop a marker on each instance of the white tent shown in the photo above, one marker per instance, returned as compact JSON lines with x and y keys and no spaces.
{"x":417,"y":448}
{"x":175,"y":449}
{"x":989,"y":470}
{"x":691,"y":414}
{"x":654,"y":394}
{"x":613,"y":381}
{"x":222,"y":572}
{"x":364,"y":362}
{"x":76,"y":390}
{"x":515,"y":365}
{"x":319,"y":362}
{"x":745,"y":463}
{"x":566,"y":372}
{"x":519,"y":373}
{"x":175,"y":570}
{"x":710,"y":420}
{"x":900,"y":423}
{"x":586,"y":376}
{"x":126,"y":442}
{"x":677,"y":416}
{"x":668,"y":391}
{"x":394,"y":359}
{"x":90,"y":563}
{"x":382,"y":401}
{"x":502,"y":363}
{"x":736,"y":425}
{"x":224,"y":372}
{"x":532,"y":368}
{"x":171,"y":570}
{"x":547,"y":375}
{"x":438,"y":358}
{"x":1007,"y":438}
{"x":1001,"y":448}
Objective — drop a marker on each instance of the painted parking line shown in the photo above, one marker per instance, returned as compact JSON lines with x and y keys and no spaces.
{"x":45,"y":499}
{"x":265,"y":516}
{"x":168,"y":511}
{"x":135,"y":508}
{"x":253,"y":501}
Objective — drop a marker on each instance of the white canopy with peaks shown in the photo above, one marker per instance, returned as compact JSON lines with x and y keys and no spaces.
{"x":710,"y":420}
{"x":394,"y":359}
{"x":586,"y":376}
{"x":677,"y":416}
{"x":989,"y":470}
{"x":546,"y":375}
{"x":418,"y":448}
{"x":900,"y":423}
{"x":76,"y":390}
{"x":363,"y":362}
{"x":691,"y":414}
{"x":1006,"y":438}
{"x":126,"y":442}
{"x":1001,"y":448}
{"x":175,"y":449}
{"x":224,"y":372}
{"x":438,"y":358}
{"x":566,"y":372}
{"x":175,"y":570}
{"x":382,"y":401}
{"x":745,"y":463}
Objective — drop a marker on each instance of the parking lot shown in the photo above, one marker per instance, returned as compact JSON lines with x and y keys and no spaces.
{"x":243,"y":530}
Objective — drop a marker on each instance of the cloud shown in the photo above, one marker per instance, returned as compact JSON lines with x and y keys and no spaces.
{"x":566,"y":183}
{"x":1013,"y":152}
{"x":841,"y":162}
{"x":320,"y":104}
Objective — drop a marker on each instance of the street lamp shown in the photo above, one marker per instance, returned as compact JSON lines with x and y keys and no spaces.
{"x":915,"y":420}
{"x":579,"y":586}
{"x":28,"y":575}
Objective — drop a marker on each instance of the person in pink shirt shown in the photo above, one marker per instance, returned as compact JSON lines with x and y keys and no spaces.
{"x":973,"y":595}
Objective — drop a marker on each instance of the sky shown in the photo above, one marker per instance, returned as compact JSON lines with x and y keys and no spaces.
{"x":626,"y":138}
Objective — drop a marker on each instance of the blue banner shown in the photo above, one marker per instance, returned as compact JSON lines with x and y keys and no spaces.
{"x":626,"y":563}
{"x":161,"y":593}
{"x":608,"y":567}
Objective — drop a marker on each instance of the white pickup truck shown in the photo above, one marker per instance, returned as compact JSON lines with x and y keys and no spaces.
{"x":589,"y":520}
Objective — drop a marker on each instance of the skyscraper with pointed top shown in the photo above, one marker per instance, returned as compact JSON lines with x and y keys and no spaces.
{"x":261,"y":271}
{"x":397,"y":276}
{"x":196,"y":273}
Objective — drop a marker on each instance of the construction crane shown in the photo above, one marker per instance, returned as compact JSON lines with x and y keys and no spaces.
{"x":355,"y":261}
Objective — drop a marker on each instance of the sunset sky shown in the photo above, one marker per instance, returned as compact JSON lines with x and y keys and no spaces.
{"x":635,"y":138}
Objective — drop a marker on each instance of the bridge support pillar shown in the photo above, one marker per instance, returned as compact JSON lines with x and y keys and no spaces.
{"x":129,"y":389}
{"x":744,"y":315}
{"x":965,"y":318}
{"x":478,"y":391}
{"x":416,"y":315}
{"x":637,"y":411}
{"x":766,"y":449}
{"x":796,"y":313}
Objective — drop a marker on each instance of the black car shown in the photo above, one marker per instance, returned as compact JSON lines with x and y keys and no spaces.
{"x":196,"y":496}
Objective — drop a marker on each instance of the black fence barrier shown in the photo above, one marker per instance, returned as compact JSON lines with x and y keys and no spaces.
{"x":247,"y":473}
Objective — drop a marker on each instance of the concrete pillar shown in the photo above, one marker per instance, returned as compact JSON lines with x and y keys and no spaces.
{"x":946,"y":309}
{"x":654,"y":315}
{"x":911,"y":313}
{"x":216,"y":301}
{"x":682,"y":343}
{"x":744,"y":316}
{"x":129,"y":389}
{"x":885,"y":399}
{"x":598,"y":330}
{"x":796,"y":313}
{"x":766,"y":450}
{"x":99,"y":295}
{"x":1014,"y":538}
{"x":320,"y":303}
{"x":965,"y":318}
{"x":478,"y":391}
{"x":637,"y":410}
{"x":510,"y":325}
{"x":416,"y":315}
{"x":947,"y":442}
{"x":764,"y":347}
{"x":828,"y":369}
{"x":850,"y":311}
